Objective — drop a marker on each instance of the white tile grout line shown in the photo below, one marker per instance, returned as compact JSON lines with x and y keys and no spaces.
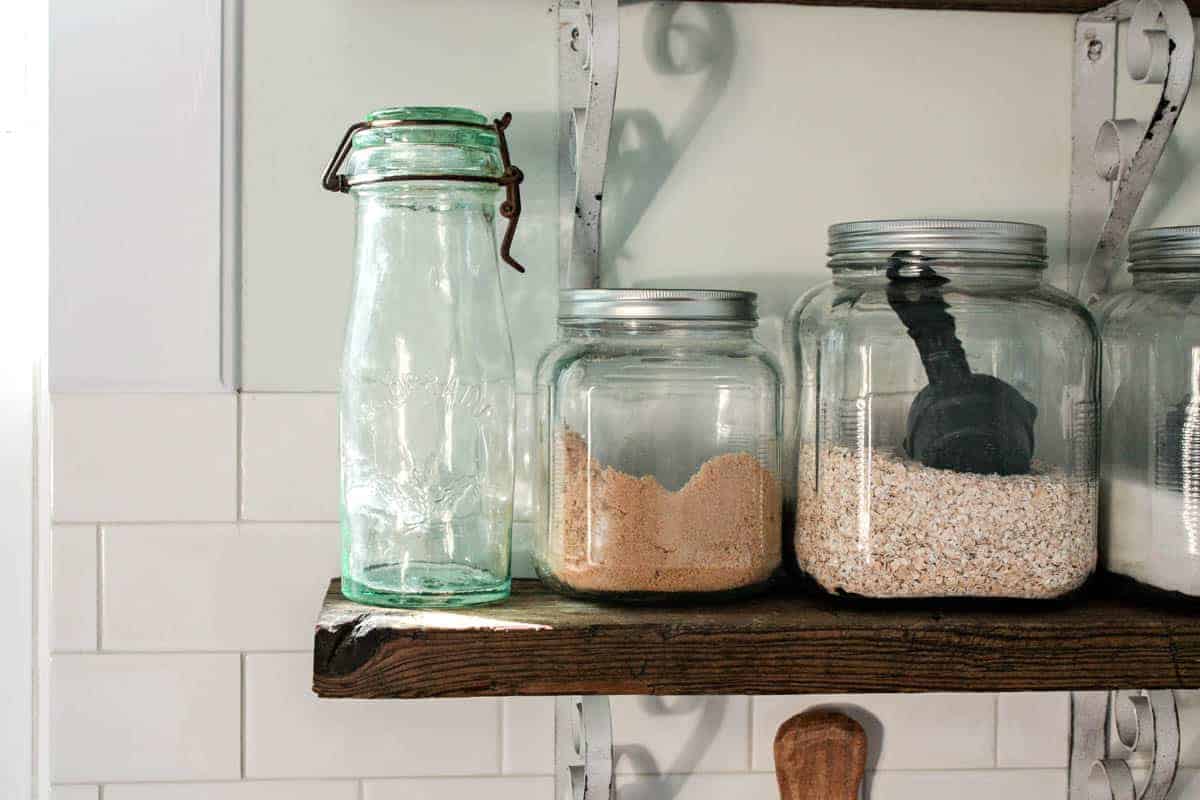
{"x":995,"y":730}
{"x":99,"y":585}
{"x":501,"y":714}
{"x":99,"y":588}
{"x":750,"y":734}
{"x":242,"y":709}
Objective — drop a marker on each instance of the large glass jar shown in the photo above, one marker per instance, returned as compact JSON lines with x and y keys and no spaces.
{"x":946,"y":425}
{"x":1150,"y":507}
{"x":427,"y":384}
{"x":659,"y":447}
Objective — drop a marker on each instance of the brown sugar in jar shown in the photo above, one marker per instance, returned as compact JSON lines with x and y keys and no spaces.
{"x":658,"y":445}
{"x":619,"y":533}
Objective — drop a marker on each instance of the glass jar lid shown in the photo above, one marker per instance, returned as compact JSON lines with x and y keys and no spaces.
{"x":938,"y":236}
{"x":438,"y":144}
{"x":664,"y":304}
{"x":1176,"y":248}
{"x":426,"y":140}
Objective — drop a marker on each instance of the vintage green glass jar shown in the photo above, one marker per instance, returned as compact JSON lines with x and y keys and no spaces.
{"x":427,"y":382}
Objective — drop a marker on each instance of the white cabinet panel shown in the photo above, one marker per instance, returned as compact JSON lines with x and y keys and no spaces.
{"x":135,"y":195}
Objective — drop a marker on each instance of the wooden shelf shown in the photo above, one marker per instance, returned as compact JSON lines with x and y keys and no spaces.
{"x":789,"y":642}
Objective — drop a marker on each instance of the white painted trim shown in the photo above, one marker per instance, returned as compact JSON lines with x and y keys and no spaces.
{"x":231,"y":192}
{"x":24,"y":412}
{"x":161,"y":317}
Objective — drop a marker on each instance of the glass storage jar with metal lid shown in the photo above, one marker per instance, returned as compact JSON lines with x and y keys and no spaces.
{"x":946,"y":426}
{"x":659,"y":439}
{"x":1150,"y":452}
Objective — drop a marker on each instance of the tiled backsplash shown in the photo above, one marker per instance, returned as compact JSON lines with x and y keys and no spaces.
{"x":183,"y":668}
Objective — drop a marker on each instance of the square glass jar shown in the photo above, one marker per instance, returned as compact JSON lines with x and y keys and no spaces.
{"x":659,"y":445}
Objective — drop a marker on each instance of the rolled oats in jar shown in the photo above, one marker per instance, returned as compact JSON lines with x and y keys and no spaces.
{"x":946,"y":419}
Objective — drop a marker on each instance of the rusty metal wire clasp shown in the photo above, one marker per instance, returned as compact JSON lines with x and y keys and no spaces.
{"x":510,"y":209}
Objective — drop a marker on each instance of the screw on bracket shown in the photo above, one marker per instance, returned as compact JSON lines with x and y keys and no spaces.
{"x":1095,"y":49}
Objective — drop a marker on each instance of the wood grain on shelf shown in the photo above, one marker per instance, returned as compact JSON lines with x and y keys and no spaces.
{"x":784,"y":643}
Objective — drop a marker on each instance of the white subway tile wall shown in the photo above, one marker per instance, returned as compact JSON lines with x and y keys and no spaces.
{"x":289,"y":457}
{"x":145,"y":717}
{"x":250,"y":587}
{"x":996,"y":784}
{"x":145,"y":458}
{"x":1189,"y":728}
{"x":528,"y":735}
{"x":74,"y":586}
{"x":525,"y":788}
{"x":291,"y":733}
{"x":78,"y":792}
{"x":1029,"y":728}
{"x":195,"y":533}
{"x":241,"y":790}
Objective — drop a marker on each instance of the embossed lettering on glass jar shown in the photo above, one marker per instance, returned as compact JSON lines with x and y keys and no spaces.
{"x":659,"y":446}
{"x":946,"y":425}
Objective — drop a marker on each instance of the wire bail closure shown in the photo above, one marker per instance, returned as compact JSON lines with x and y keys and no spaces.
{"x":510,"y":209}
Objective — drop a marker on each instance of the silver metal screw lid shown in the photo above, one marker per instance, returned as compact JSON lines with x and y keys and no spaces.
{"x":938,"y":235}
{"x":672,"y":304}
{"x":1150,"y":248}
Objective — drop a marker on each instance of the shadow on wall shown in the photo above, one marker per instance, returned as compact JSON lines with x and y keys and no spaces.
{"x":641,"y":154}
{"x":649,"y":785}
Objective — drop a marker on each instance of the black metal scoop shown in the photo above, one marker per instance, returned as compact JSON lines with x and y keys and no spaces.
{"x":964,"y":421}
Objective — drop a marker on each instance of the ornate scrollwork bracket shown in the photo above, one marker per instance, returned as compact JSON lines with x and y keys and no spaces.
{"x":583,"y":748}
{"x":1113,"y":160}
{"x":588,"y":56}
{"x":1110,"y":729}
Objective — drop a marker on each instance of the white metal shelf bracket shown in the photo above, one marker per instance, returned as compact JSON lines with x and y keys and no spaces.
{"x":1109,"y":728}
{"x":583,"y":748}
{"x":1112,"y":163}
{"x":588,"y":56}
{"x":1113,"y":160}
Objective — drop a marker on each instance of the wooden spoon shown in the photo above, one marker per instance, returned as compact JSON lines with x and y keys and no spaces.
{"x":820,"y":755}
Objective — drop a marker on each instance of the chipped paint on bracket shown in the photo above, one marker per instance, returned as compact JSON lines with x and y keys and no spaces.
{"x":588,"y":57}
{"x":1113,"y":161}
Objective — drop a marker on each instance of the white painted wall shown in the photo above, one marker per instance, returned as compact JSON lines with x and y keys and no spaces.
{"x":742,"y":131}
{"x":24,"y":412}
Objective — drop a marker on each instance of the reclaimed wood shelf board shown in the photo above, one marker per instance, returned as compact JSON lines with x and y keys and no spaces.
{"x":787,"y":642}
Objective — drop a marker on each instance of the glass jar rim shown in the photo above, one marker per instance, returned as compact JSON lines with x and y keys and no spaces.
{"x":1165,"y":249}
{"x":449,"y":125}
{"x":716,"y":305}
{"x":458,"y":143}
{"x":973,"y":240}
